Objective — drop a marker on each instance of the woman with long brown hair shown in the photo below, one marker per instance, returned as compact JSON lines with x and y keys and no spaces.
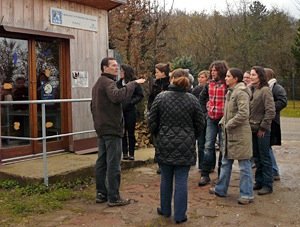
{"x":262,"y":111}
{"x":129,"y":111}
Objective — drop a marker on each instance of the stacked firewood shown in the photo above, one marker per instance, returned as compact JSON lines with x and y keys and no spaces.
{"x":142,"y":135}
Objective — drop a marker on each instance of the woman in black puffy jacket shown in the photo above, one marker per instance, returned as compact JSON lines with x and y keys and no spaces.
{"x":129,"y":111}
{"x":175,"y":120}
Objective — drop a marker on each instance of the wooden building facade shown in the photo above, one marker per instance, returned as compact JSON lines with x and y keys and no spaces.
{"x":50,"y":49}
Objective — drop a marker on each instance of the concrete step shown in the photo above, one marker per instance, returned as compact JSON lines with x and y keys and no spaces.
{"x":65,"y":167}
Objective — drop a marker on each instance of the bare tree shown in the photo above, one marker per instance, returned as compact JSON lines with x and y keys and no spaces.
{"x":137,"y":32}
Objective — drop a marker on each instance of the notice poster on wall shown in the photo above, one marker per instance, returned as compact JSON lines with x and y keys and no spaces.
{"x":80,"y":79}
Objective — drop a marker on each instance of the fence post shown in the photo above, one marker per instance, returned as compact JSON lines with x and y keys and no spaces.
{"x":293,"y":90}
{"x":46,"y":182}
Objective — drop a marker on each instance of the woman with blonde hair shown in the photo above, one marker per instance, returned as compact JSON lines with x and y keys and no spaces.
{"x":175,"y":120}
{"x":203,"y":78}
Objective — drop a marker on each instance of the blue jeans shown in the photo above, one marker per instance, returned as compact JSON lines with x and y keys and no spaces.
{"x":108,"y":167}
{"x":246,"y":184}
{"x":274,"y":163}
{"x":200,"y":145}
{"x":181,"y":190}
{"x":209,"y":161}
{"x":263,"y":161}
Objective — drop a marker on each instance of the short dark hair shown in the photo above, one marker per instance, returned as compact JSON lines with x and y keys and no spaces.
{"x":105,"y":62}
{"x":261,"y":76}
{"x":236,"y":73}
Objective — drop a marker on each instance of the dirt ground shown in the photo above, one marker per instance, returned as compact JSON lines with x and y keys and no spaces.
{"x":281,"y":208}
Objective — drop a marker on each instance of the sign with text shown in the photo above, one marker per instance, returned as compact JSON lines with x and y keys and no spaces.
{"x":80,"y":79}
{"x":71,"y":19}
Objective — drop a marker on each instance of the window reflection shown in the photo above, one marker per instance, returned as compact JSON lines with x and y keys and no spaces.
{"x":48,"y":84}
{"x":15,"y":84}
{"x":14,"y":81}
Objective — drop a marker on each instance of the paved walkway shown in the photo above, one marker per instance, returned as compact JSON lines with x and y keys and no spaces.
{"x":281,"y":208}
{"x":290,"y":128}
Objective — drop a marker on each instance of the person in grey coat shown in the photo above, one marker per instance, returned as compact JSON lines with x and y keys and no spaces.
{"x":237,"y":143}
{"x":175,"y":120}
{"x":280,"y":99}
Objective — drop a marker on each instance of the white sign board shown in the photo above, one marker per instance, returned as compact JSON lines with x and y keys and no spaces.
{"x":80,"y":79}
{"x":71,"y":19}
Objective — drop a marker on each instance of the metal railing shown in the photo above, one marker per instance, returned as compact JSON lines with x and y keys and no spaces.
{"x":44,"y":136}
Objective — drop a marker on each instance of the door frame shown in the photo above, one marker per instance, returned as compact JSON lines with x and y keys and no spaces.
{"x":35,"y":147}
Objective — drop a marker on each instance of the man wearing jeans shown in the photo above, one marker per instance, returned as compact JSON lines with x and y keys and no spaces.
{"x":215,"y":94}
{"x":107,"y":114}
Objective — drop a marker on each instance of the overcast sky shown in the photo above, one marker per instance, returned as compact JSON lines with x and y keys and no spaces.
{"x":289,"y":6}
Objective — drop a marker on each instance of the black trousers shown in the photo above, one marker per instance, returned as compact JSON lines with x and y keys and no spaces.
{"x":128,"y":141}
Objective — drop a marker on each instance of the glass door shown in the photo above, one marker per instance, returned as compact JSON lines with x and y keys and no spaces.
{"x":32,"y":69}
{"x":14,"y":79}
{"x":48,"y":85}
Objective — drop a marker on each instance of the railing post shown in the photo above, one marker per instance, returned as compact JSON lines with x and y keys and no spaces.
{"x":44,"y":134}
{"x":0,"y":129}
{"x":46,"y":182}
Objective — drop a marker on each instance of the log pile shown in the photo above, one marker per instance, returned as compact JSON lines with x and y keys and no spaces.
{"x":142,"y":135}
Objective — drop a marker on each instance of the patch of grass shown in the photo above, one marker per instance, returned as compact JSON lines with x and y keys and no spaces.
{"x":8,"y":184}
{"x":18,"y":201}
{"x":292,"y":109}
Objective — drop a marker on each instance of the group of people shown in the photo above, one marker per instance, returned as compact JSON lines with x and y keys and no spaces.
{"x":243,"y":114}
{"x":250,"y":134}
{"x":247,"y":120}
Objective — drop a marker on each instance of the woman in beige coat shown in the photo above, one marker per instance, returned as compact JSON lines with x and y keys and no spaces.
{"x":237,"y":143}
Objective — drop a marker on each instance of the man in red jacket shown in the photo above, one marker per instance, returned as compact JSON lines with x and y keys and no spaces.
{"x":214,"y":98}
